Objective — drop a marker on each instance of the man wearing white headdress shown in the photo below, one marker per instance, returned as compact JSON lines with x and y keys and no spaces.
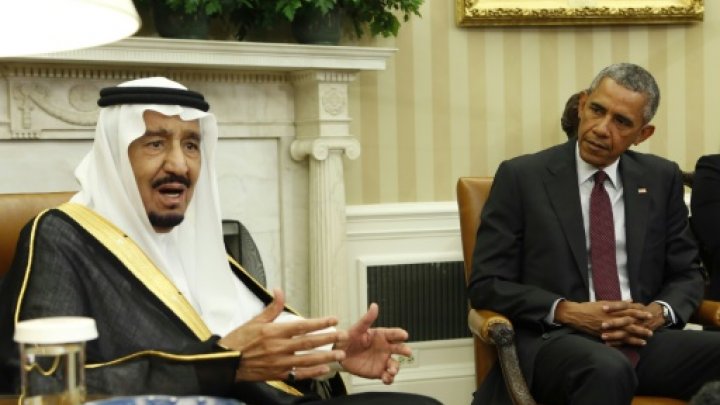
{"x":140,"y":249}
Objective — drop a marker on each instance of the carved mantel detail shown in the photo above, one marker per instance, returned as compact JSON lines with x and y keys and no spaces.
{"x":320,"y":148}
{"x":74,"y":108}
{"x":56,"y":102}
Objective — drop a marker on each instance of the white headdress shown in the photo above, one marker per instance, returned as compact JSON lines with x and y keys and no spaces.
{"x":192,"y":255}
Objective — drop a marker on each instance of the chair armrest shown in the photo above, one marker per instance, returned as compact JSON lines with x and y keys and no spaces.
{"x":495,"y":329}
{"x":708,"y":314}
{"x":482,"y":321}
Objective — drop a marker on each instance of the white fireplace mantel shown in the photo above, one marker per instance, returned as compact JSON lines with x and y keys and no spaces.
{"x":284,"y":127}
{"x":207,"y":55}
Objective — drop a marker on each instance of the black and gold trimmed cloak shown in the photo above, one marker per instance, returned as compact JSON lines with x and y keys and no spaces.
{"x":70,"y":261}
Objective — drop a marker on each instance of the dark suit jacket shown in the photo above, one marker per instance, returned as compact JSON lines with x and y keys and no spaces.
{"x":531,"y":243}
{"x":705,"y":209}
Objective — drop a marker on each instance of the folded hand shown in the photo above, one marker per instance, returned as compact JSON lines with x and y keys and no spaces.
{"x":615,"y":322}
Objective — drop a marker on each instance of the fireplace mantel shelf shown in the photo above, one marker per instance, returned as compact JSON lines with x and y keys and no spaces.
{"x":149,"y":51}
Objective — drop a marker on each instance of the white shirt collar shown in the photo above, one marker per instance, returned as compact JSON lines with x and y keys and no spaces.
{"x":586,"y":170}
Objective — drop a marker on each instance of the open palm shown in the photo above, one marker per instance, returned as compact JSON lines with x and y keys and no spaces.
{"x":368,"y":351}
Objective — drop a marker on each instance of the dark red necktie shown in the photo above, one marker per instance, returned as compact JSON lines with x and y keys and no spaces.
{"x":602,"y":243}
{"x":602,"y":251}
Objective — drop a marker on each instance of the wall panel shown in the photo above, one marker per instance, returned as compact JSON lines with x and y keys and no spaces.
{"x":464,"y":99}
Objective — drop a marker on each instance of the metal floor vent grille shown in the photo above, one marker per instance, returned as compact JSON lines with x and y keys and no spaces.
{"x":427,"y":299}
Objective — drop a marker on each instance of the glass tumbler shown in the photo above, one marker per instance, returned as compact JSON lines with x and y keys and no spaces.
{"x":52,"y":359}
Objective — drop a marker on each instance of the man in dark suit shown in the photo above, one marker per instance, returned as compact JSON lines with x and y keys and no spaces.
{"x":705,"y":208}
{"x":587,"y":335}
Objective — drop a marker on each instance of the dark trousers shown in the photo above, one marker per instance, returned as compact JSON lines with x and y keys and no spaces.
{"x":579,"y":369}
{"x":379,"y":398}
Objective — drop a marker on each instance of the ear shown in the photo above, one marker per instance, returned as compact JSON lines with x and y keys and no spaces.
{"x":645,"y":132}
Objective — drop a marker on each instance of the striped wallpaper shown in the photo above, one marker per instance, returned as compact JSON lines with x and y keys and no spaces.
{"x":457,"y":101}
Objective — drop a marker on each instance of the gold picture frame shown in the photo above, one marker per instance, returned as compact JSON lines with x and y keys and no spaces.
{"x":475,"y":13}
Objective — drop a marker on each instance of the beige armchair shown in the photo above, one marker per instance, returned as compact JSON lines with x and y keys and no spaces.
{"x":15,"y":211}
{"x":493,"y":333}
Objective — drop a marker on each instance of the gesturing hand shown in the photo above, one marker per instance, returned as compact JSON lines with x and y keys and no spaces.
{"x":368,"y":352}
{"x":268,"y":349}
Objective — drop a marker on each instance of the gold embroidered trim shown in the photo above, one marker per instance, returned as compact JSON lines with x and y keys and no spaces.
{"x":277,"y":384}
{"x":139,"y":265}
{"x":142,"y":267}
{"x":31,"y":249}
{"x":262,"y":287}
{"x":241,"y":268}
{"x":284,"y":387}
{"x":165,"y":355}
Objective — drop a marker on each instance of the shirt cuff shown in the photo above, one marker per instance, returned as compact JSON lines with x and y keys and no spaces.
{"x":550,"y":318}
{"x":673,"y":320}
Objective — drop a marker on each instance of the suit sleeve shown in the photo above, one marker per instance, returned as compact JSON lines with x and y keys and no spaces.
{"x":682,"y":284}
{"x":497,"y":281}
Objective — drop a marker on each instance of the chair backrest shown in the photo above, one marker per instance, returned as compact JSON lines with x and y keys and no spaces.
{"x":241,"y":246}
{"x":472,"y":192}
{"x":15,"y":211}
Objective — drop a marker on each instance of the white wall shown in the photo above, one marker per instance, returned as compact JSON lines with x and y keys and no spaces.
{"x":408,"y":233}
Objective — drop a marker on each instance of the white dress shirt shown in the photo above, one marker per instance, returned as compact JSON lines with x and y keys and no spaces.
{"x":613,"y":186}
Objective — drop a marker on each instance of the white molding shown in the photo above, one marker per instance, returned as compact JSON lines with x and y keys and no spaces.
{"x":402,"y":220}
{"x":403,"y":233}
{"x":366,"y":261}
{"x":223,"y":55}
{"x":410,"y":233}
{"x":436,"y":372}
{"x":444,"y":370}
{"x":454,"y":370}
{"x":403,"y":210}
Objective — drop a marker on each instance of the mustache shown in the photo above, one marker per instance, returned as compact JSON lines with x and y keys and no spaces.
{"x":172,"y":178}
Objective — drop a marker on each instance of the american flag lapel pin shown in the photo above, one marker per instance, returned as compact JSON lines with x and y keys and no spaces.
{"x":642,"y":190}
